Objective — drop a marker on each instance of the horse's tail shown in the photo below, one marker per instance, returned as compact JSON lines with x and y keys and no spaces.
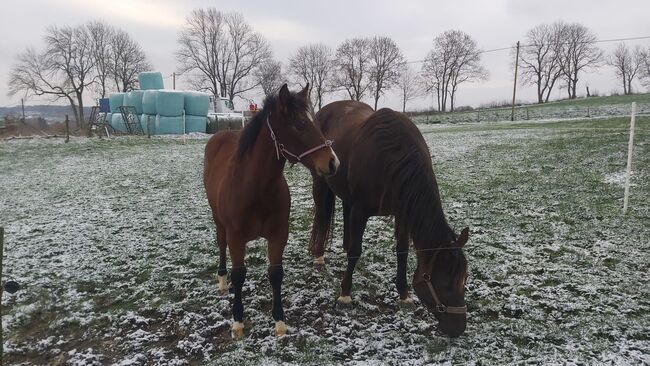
{"x":324,"y":206}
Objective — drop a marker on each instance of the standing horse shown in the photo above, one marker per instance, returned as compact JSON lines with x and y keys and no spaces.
{"x":386,"y":170}
{"x":248,"y":194}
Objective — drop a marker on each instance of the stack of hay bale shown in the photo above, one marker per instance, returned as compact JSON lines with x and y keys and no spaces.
{"x":161,"y":111}
{"x":197,"y":105}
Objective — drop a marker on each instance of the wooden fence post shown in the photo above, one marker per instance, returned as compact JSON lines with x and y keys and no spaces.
{"x":67,"y":129}
{"x":630,"y":146}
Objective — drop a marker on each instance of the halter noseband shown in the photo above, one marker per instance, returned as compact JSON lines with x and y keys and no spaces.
{"x":280,"y":149}
{"x":439,"y":306}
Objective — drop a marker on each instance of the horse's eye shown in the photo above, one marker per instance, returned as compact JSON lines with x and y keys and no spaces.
{"x":301,"y":125}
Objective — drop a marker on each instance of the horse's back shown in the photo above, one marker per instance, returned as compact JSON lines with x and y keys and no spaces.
{"x":219,"y":151}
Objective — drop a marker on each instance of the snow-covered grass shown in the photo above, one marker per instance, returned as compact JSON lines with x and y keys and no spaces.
{"x":113,"y":246}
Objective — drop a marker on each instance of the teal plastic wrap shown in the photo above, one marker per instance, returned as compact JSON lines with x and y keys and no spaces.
{"x":169,"y":125}
{"x":134,"y":99}
{"x":150,"y":80}
{"x":117,"y":122}
{"x":170,"y":103}
{"x":195,"y":123}
{"x":148,"y":121}
{"x":149,"y":101}
{"x":197,"y":103}
{"x":115,"y":101}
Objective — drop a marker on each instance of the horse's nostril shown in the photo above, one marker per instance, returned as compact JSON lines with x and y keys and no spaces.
{"x":333,"y":165}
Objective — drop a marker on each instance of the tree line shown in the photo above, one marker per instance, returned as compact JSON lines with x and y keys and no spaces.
{"x":94,"y":56}
{"x":222,"y":54}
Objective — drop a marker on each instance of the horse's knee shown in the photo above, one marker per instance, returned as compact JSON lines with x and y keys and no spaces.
{"x":276,"y":274}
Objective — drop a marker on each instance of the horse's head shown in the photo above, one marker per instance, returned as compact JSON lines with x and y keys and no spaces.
{"x":297,"y":137}
{"x":440,"y":285}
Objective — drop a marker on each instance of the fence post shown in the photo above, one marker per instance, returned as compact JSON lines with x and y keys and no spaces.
{"x":2,"y":251}
{"x":67,"y":129}
{"x":478,"y":116}
{"x":630,"y":146}
{"x":514,"y":85}
{"x":527,"y":117}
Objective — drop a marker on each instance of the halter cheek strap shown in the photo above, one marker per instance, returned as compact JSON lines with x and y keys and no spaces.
{"x":280,"y":149}
{"x":439,"y":307}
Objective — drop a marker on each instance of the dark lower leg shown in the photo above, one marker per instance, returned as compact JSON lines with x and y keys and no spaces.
{"x":357,"y":225}
{"x":401,"y":283}
{"x":238,"y":275}
{"x":276,"y":274}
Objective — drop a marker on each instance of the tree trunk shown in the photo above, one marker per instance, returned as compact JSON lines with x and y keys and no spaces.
{"x":80,"y":116}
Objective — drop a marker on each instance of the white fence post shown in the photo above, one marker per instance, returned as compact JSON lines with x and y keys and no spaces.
{"x":630,"y":146}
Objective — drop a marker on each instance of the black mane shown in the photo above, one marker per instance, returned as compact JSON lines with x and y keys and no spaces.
{"x":253,"y":128}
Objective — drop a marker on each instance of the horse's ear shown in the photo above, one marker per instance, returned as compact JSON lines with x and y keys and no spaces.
{"x":462,"y":238}
{"x":284,"y":95}
{"x":305,"y":92}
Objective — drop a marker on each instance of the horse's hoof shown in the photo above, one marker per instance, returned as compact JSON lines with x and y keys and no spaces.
{"x":344,"y":300}
{"x":408,"y":301}
{"x":223,"y":285}
{"x":320,"y":261}
{"x":280,"y":328}
{"x":237,"y":330}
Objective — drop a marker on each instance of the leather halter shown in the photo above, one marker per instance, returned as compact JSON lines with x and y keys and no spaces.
{"x":280,"y":149}
{"x":439,"y":307}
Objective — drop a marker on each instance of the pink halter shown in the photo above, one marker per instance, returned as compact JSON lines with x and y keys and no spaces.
{"x":280,"y":149}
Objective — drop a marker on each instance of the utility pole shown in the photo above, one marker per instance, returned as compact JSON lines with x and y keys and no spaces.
{"x":174,"y":80}
{"x":22,"y":103}
{"x":514,"y":86}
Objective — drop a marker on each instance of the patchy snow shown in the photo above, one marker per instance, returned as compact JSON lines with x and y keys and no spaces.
{"x":113,"y":246}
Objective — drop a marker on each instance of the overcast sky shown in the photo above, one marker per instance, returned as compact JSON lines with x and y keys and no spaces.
{"x":290,"y":24}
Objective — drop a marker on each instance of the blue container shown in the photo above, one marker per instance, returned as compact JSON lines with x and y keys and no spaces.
{"x":104,"y":105}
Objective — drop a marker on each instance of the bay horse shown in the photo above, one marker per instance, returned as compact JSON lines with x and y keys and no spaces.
{"x":247,"y":191}
{"x":386,"y":170}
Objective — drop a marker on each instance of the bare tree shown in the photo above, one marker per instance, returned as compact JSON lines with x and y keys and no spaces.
{"x":128,"y":60}
{"x":578,"y":52}
{"x":101,"y":35}
{"x":454,"y":59}
{"x":223,"y":50}
{"x":312,"y":64}
{"x":627,"y":64}
{"x":644,"y":73}
{"x":33,"y":75}
{"x":269,"y":76}
{"x":409,"y":84}
{"x":540,"y":65}
{"x":385,"y":62}
{"x":353,"y":67}
{"x":69,"y":53}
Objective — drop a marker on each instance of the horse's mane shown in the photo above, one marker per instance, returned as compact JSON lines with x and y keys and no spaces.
{"x":253,"y":128}
{"x":415,"y":195}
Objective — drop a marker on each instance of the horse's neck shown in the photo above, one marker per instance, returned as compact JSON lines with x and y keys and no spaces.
{"x":262,"y":166}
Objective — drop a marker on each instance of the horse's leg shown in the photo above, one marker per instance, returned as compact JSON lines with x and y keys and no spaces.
{"x":222,"y":271}
{"x":276,"y":274}
{"x":237,"y":248}
{"x":346,"y":226}
{"x":402,"y":239}
{"x":357,"y":225}
{"x":324,"y":204}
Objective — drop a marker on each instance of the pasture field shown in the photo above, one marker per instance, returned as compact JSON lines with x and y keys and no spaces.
{"x":113,"y":246}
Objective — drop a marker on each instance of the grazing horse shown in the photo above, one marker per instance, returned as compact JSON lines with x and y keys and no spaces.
{"x":247,"y":192}
{"x":386,"y":170}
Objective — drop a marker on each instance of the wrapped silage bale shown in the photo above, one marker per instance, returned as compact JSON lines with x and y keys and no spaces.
{"x":170,"y":103}
{"x":197,"y":103}
{"x":195,"y":123}
{"x":134,"y":99}
{"x":149,"y":101}
{"x":118,"y":122}
{"x":108,"y":118}
{"x":150,"y":80}
{"x":115,"y":101}
{"x":169,"y":125}
{"x":148,"y":123}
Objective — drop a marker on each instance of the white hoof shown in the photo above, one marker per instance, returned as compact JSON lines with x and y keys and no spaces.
{"x":237,"y":330}
{"x":280,"y":328}
{"x":223,"y":284}
{"x":320,"y":260}
{"x":407,"y":301}
{"x":345,"y":300}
